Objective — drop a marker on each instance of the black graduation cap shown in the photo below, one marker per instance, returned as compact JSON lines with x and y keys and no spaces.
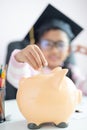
{"x":51,"y":17}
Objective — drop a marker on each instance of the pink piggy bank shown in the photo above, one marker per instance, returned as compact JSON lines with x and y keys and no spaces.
{"x":48,"y":98}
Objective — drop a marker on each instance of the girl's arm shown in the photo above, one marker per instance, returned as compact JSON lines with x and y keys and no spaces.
{"x":23,"y":63}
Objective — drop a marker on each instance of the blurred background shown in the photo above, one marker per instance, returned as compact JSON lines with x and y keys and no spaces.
{"x":18,"y":16}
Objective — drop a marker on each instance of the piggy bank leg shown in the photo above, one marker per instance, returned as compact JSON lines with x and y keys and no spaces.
{"x":33,"y":126}
{"x":62,"y":125}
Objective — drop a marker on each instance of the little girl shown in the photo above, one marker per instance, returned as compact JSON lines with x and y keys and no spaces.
{"x":50,"y":49}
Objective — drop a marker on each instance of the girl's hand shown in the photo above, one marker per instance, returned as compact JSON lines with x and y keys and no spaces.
{"x":32,"y":55}
{"x":81,"y":49}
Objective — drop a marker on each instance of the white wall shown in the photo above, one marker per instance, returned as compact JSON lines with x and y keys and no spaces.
{"x":17,"y":17}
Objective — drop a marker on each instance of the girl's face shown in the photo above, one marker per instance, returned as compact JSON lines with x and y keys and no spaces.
{"x":55,"y":46}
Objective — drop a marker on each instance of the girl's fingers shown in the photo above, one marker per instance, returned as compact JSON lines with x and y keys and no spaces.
{"x":30,"y":60}
{"x":44,"y":61}
{"x":33,"y":56}
{"x":36,"y":57}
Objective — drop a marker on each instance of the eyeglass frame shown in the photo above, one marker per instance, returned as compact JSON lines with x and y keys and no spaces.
{"x":55,"y":44}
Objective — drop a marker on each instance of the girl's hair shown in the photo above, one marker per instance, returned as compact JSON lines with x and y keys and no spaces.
{"x":53,"y":24}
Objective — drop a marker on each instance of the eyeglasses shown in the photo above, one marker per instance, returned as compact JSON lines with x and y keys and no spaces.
{"x":48,"y":45}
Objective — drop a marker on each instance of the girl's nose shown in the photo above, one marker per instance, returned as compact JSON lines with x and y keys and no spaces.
{"x":55,"y":50}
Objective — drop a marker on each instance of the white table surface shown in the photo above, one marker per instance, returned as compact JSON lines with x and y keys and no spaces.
{"x":15,"y":120}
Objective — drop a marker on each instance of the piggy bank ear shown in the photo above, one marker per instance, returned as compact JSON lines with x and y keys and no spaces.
{"x":58,"y":75}
{"x":56,"y":70}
